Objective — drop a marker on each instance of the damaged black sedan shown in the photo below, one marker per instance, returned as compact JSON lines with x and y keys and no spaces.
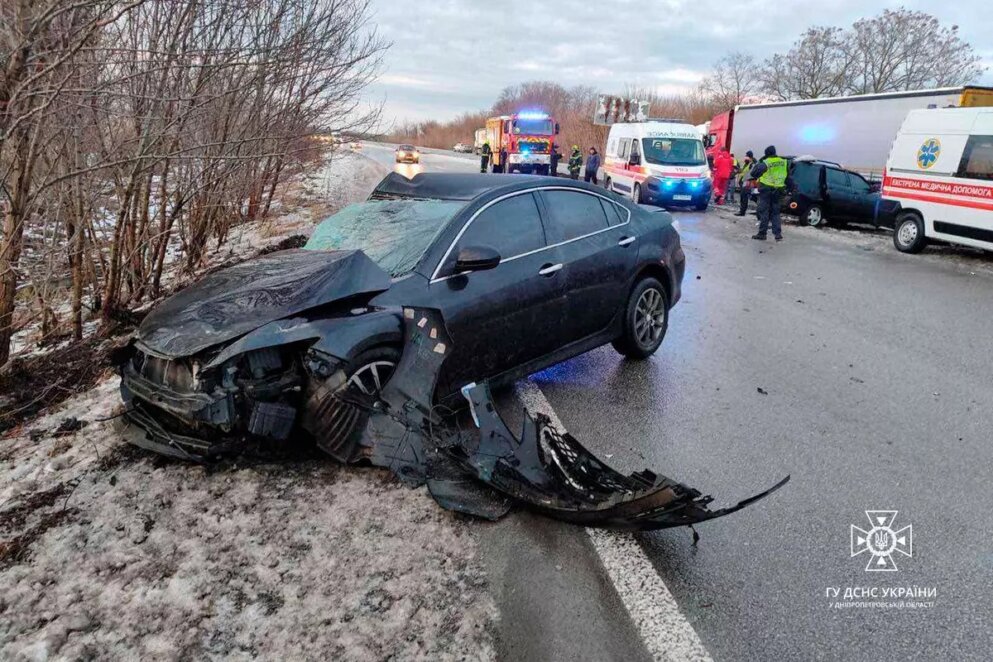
{"x":526,"y":272}
{"x":425,"y":295}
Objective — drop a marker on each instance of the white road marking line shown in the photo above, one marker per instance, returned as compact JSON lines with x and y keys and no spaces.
{"x":666,"y":632}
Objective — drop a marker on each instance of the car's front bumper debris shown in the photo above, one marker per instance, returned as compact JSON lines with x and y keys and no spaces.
{"x":482,"y":472}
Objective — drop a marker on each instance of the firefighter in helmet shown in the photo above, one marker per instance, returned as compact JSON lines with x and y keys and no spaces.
{"x":484,"y":157}
{"x":575,"y":162}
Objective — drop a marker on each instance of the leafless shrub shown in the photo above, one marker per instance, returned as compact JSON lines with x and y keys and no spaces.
{"x":134,"y":132}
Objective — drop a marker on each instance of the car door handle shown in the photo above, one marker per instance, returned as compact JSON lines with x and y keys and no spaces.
{"x":549,"y":269}
{"x":626,"y":241}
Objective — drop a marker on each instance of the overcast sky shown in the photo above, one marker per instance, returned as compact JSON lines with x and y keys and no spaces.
{"x":450,"y":56}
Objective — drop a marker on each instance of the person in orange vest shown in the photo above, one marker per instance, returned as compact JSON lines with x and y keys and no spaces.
{"x":723,"y":165}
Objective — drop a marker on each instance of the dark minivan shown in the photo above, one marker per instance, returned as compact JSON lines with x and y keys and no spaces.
{"x":819,"y":192}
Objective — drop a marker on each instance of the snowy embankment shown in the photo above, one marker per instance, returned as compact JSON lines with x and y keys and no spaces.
{"x":110,"y":552}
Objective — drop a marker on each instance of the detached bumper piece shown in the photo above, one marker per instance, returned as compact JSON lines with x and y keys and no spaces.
{"x":484,"y":472}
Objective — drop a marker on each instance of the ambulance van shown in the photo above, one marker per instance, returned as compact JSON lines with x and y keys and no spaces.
{"x":940,"y":171}
{"x":660,"y":162}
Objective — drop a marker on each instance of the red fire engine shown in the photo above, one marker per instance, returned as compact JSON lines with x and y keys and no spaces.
{"x":521,"y":142}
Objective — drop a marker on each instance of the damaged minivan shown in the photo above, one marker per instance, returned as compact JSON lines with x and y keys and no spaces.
{"x":526,"y":272}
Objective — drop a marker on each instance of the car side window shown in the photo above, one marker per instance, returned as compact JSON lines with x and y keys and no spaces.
{"x":625,"y":146}
{"x":858,"y":183}
{"x":511,"y":227}
{"x":977,"y":159}
{"x":615,"y":215}
{"x":573,"y":214}
{"x":635,"y":151}
{"x":836,"y":179}
{"x":805,"y":178}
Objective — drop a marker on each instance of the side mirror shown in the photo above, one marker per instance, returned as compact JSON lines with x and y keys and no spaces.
{"x":476,"y":258}
{"x":635,"y":159}
{"x":556,"y":128}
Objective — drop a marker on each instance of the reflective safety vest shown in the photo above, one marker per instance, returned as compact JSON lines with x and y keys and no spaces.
{"x":775,"y":174}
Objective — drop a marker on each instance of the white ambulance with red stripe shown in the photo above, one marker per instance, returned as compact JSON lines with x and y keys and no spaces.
{"x":660,"y":162}
{"x":940,"y":170}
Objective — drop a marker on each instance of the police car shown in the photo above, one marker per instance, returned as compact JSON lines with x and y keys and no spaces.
{"x":661,"y":162}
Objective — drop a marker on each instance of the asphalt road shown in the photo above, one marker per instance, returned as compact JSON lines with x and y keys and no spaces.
{"x":863,"y":373}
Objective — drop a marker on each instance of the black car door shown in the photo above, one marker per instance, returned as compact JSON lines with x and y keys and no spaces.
{"x":503,"y":317}
{"x":863,"y":202}
{"x":839,"y":192}
{"x":597,"y":253}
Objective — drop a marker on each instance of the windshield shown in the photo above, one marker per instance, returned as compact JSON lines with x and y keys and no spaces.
{"x":406,"y":148}
{"x":393,"y":233}
{"x":674,"y":151}
{"x":534,"y":127}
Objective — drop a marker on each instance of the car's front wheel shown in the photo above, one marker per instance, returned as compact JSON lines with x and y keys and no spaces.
{"x":636,"y":194}
{"x":333,"y":418}
{"x":646,"y":319}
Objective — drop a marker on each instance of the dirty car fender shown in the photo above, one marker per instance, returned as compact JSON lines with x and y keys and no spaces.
{"x":342,"y":337}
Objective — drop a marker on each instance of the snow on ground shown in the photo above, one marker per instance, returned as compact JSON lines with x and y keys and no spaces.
{"x":111,"y":552}
{"x":866,"y":238}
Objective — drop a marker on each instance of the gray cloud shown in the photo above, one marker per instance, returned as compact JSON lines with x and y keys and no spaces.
{"x":452,"y":56}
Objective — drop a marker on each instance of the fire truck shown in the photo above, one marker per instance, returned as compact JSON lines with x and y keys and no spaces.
{"x":521,"y":142}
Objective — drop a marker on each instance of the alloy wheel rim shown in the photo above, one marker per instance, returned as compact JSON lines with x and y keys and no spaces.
{"x":814,"y":216}
{"x":649,"y":317}
{"x":370,"y":378}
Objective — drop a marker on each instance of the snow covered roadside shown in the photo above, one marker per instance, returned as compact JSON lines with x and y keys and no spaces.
{"x":110,"y":552}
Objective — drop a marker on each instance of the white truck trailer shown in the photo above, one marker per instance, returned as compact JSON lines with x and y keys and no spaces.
{"x":856,"y":132}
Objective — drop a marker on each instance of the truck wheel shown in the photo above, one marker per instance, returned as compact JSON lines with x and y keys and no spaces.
{"x":908,"y":235}
{"x":814,"y":216}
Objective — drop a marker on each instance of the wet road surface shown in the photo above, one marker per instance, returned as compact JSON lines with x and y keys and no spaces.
{"x":862,"y":372}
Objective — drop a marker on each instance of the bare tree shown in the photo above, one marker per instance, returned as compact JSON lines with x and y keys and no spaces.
{"x":734,"y":79}
{"x":905,"y":50}
{"x":816,"y":66}
{"x":131,"y":131}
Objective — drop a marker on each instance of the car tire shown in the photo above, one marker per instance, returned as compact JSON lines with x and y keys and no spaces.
{"x":647,"y":303}
{"x":702,"y":206}
{"x":336,"y":424}
{"x":908,"y":233}
{"x":813,"y":216}
{"x":636,"y":193}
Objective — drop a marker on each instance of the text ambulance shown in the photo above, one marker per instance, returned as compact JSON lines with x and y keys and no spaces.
{"x":940,"y":170}
{"x":660,"y":162}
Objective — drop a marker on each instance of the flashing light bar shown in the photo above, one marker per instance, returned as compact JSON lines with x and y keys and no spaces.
{"x":532,"y":116}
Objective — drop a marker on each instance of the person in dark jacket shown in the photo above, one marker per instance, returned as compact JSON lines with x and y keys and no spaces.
{"x":484,"y":157}
{"x":592,"y":165}
{"x":556,"y":156}
{"x":771,"y":172}
{"x":575,"y":162}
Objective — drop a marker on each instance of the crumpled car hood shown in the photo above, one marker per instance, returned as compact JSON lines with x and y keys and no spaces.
{"x":231,"y":302}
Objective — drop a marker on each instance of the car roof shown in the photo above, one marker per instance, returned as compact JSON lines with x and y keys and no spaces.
{"x":466,"y":186}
